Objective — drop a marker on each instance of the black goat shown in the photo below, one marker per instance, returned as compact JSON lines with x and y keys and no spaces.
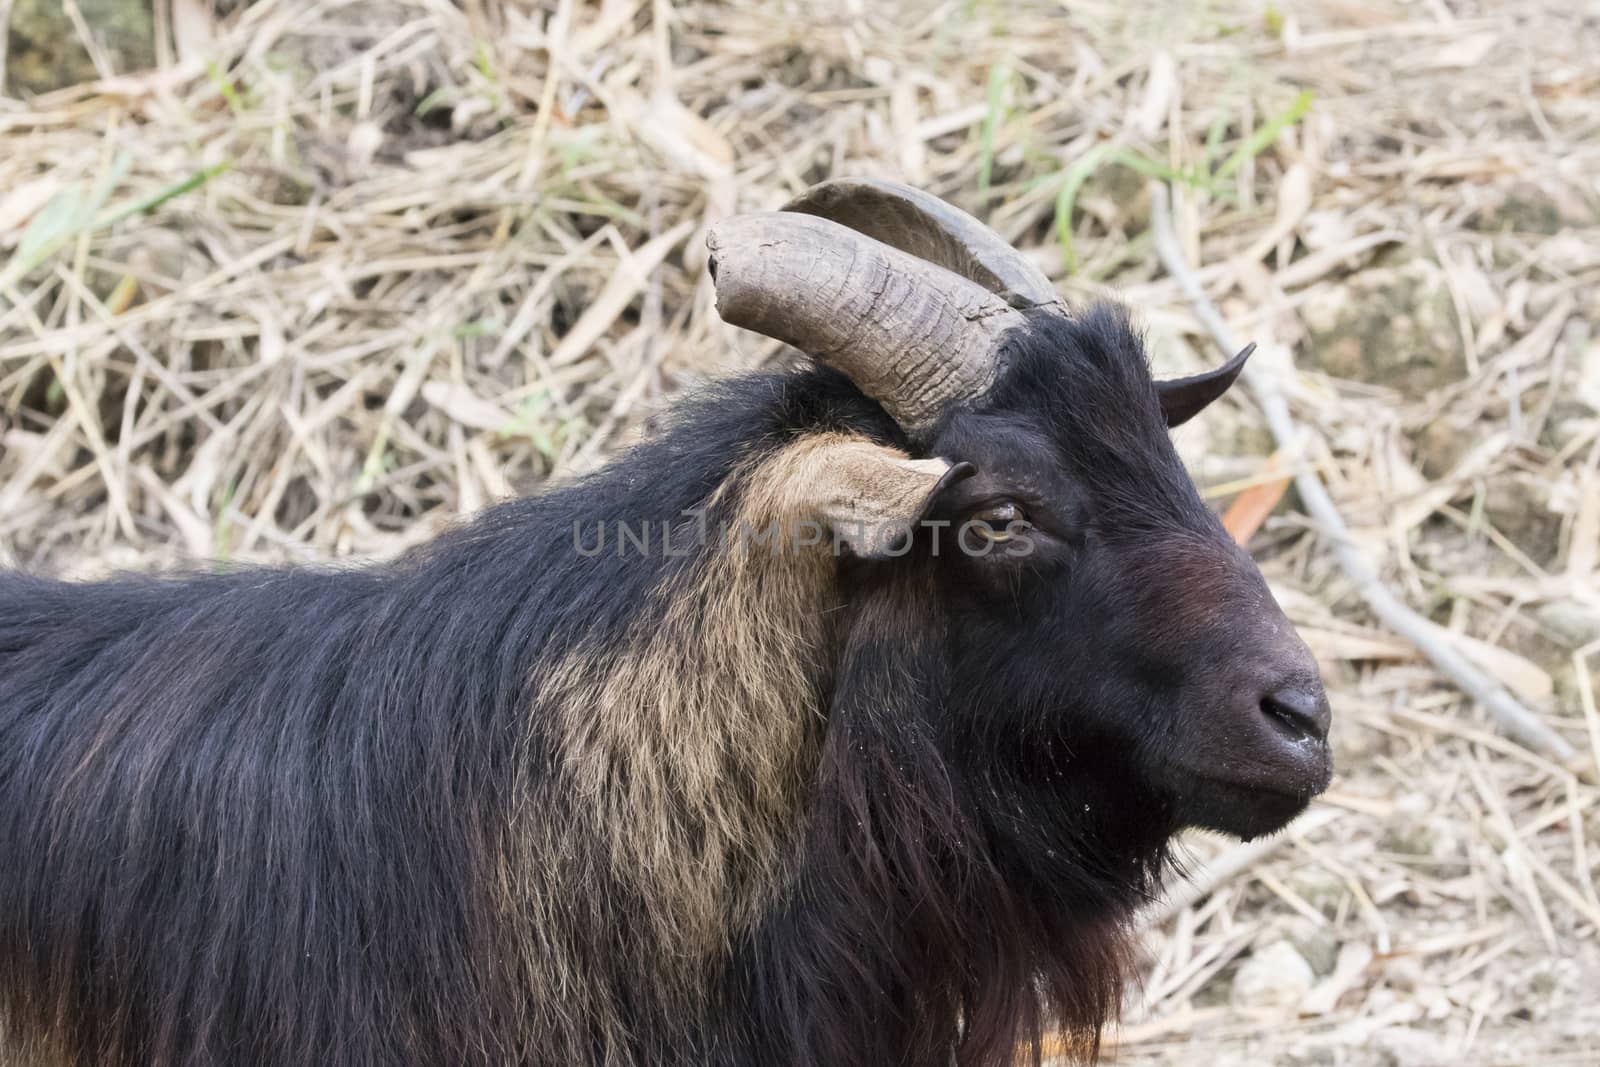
{"x":844,"y":724}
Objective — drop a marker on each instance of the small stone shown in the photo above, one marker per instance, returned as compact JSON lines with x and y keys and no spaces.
{"x":1326,"y":229}
{"x":1316,"y":944}
{"x":1519,"y":506}
{"x":1564,"y":431}
{"x":1402,"y":1046}
{"x":1442,"y":443}
{"x":1310,"y":1055}
{"x":1318,"y":886}
{"x":1274,"y":977}
{"x":1588,"y":390}
{"x":1404,"y":973}
{"x":363,"y":143}
{"x":1574,"y":624}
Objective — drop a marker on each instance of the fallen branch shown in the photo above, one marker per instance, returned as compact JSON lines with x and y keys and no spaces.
{"x":1431,"y":640}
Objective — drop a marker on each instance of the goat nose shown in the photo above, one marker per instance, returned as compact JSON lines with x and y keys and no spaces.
{"x":1303,"y":709}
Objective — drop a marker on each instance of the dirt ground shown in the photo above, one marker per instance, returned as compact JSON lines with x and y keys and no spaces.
{"x":331,"y":275}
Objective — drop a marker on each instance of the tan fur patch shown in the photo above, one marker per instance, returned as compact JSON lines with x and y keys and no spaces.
{"x":690,"y":750}
{"x":851,"y":486}
{"x":32,"y":1051}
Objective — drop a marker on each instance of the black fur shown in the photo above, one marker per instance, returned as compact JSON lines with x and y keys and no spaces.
{"x":251,"y":817}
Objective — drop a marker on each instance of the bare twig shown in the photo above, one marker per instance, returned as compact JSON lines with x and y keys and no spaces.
{"x":1515,"y":720}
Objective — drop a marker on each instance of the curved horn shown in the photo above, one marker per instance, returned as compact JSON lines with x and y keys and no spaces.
{"x":911,"y":334}
{"x":926,"y":227}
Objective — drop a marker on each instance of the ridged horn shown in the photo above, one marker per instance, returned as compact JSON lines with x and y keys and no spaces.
{"x":921,"y":224}
{"x":913,"y":335}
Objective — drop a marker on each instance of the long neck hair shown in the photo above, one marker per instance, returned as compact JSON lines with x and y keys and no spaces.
{"x":911,"y":937}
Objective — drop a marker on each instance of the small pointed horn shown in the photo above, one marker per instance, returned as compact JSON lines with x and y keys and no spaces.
{"x":1184,"y":398}
{"x":912,"y":335}
{"x":921,"y":224}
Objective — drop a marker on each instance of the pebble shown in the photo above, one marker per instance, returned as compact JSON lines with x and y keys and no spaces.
{"x":1275,"y":976}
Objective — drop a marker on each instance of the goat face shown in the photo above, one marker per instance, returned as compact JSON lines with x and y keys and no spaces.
{"x":1118,"y":668}
{"x":1118,"y":663}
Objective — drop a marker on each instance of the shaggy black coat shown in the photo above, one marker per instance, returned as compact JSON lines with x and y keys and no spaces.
{"x":265,"y":816}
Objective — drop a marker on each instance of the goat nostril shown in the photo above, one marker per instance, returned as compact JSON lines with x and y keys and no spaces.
{"x":1305,"y":711}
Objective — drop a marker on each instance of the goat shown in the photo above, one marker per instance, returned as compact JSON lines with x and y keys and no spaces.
{"x":843,"y":723}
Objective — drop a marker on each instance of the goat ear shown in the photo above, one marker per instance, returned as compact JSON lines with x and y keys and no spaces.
{"x":1184,"y":398}
{"x":872,"y":497}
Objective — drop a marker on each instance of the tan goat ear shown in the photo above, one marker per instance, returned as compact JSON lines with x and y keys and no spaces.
{"x":872,"y":497}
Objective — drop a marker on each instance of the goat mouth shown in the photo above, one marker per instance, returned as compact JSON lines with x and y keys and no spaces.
{"x":1261,"y":789}
{"x":1241,"y":807}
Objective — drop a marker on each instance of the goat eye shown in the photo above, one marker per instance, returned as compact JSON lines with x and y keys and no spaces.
{"x":999,"y":523}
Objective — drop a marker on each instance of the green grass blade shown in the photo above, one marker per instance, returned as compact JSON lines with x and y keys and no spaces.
{"x":76,"y":210}
{"x":1151,"y":168}
{"x":1077,"y":174}
{"x":1262,"y":139}
{"x":171,"y":192}
{"x":999,"y":77}
{"x":55,"y":224}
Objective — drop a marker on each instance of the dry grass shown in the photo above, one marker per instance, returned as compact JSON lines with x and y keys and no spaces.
{"x":340,"y":273}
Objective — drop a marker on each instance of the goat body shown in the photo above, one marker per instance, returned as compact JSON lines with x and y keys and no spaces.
{"x":539,"y":794}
